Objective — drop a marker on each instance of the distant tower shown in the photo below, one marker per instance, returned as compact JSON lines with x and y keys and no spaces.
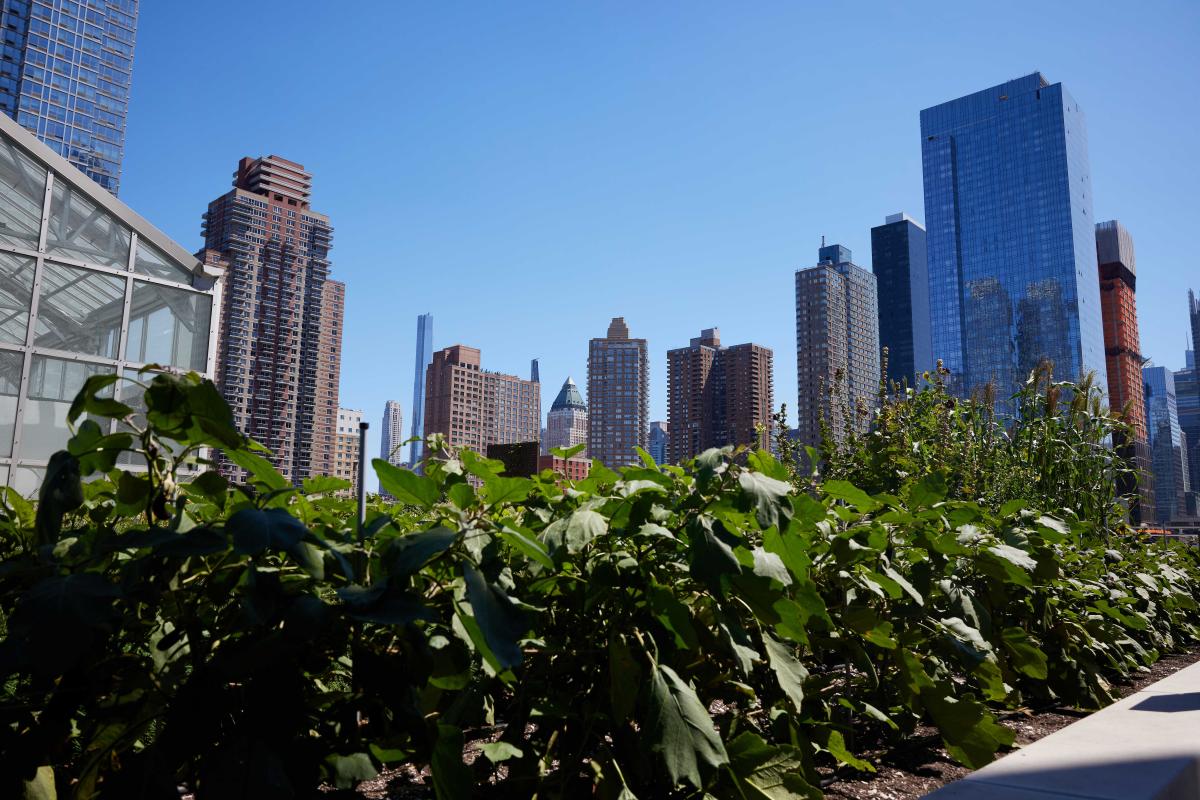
{"x":1123,"y":357}
{"x":420,"y":367}
{"x":619,"y":394}
{"x":659,"y":441}
{"x":898,"y":262}
{"x":1194,"y":314}
{"x":281,"y":318}
{"x":837,"y":345}
{"x":1172,"y":483}
{"x":1187,"y":395}
{"x":567,"y":420}
{"x":346,"y":450}
{"x":473,"y":408}
{"x":717,"y":396}
{"x":392,"y":433}
{"x":533,"y":371}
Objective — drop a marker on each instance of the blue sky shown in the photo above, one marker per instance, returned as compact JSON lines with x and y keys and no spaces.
{"x":525,"y":171}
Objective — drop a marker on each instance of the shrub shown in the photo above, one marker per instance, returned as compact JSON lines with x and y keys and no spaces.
{"x":653,"y":631}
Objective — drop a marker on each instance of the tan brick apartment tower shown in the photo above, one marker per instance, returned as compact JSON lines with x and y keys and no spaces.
{"x":717,"y":396}
{"x":618,"y":396}
{"x":1123,"y":356}
{"x":474,"y":408}
{"x":837,"y":345}
{"x":279,"y":355}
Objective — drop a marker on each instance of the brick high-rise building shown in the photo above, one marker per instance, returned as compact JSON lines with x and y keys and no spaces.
{"x":473,"y":408}
{"x":1123,"y":357}
{"x":279,"y":359}
{"x":837,"y":345}
{"x":619,"y":396}
{"x":65,"y":73}
{"x":567,"y":420}
{"x":717,"y":396}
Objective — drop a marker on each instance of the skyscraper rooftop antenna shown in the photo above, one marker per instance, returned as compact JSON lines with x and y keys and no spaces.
{"x":822,"y":240}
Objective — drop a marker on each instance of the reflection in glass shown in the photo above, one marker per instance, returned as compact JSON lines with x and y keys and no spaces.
{"x":16,"y":287}
{"x":149,"y":261}
{"x":168,"y":326}
{"x":53,"y":384}
{"x":80,"y":310}
{"x":10,"y":387}
{"x":79,"y":229}
{"x":22,"y":191}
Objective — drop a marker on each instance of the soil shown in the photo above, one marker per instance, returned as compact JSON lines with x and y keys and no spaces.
{"x":921,"y":764}
{"x":914,"y":768}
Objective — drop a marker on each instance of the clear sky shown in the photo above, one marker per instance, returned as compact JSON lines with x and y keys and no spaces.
{"x":525,"y":171}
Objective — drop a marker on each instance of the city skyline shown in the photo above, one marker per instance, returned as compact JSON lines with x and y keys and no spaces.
{"x":745,"y":209}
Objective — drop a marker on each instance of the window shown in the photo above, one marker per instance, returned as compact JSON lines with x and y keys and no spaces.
{"x":79,"y":310}
{"x":80,"y":230}
{"x":168,"y":326}
{"x":16,"y":287}
{"x":22,"y":189}
{"x":53,"y":384}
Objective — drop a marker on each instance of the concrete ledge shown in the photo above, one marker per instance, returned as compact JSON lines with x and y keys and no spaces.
{"x":1143,"y":747}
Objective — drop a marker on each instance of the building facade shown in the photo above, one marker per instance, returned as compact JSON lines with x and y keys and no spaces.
{"x":567,"y":421}
{"x":65,"y":73}
{"x":512,"y":408}
{"x":898,"y":261}
{"x":346,"y":448}
{"x":837,"y":346}
{"x":423,"y":359}
{"x":1123,"y":358}
{"x":88,"y":287}
{"x":619,"y":396}
{"x":281,"y":319}
{"x":391,"y":433}
{"x":1187,"y":395}
{"x":660,"y":441}
{"x":1011,"y":241}
{"x":718,"y":396}
{"x":1168,"y":445}
{"x":1194,"y":317}
{"x":473,"y":408}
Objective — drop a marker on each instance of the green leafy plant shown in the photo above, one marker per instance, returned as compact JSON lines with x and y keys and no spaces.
{"x":711,"y":629}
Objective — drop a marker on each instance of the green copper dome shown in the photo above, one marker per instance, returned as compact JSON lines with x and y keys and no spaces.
{"x":569,"y":397}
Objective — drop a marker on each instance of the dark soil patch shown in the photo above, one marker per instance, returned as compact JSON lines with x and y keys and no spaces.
{"x":920,"y":764}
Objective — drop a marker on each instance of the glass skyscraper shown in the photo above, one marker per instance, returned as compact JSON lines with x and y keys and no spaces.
{"x":423,"y":360}
{"x":1011,"y":242}
{"x":899,"y":263}
{"x":65,"y":71}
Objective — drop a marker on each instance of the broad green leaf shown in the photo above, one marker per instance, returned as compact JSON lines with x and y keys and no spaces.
{"x":927,"y":492}
{"x":407,"y":554}
{"x":769,"y":565}
{"x":506,"y":490}
{"x":762,"y":461}
{"x":40,"y":786}
{"x":646,"y":459}
{"x":674,"y":616}
{"x":680,"y":730}
{"x":835,"y":743}
{"x":624,"y":675}
{"x":527,"y":545}
{"x":568,"y":452}
{"x":452,"y":778}
{"x":259,"y":468}
{"x":903,"y":583}
{"x":502,"y":623}
{"x":347,"y":771}
{"x":790,"y":674}
{"x":496,"y":752}
{"x":325,"y":484}
{"x":406,"y":485}
{"x":791,"y":548}
{"x":1026,"y":656}
{"x":710,"y":557}
{"x":843,"y":490}
{"x":768,"y":772}
{"x":767,"y":496}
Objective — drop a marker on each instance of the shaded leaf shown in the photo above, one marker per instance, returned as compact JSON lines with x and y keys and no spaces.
{"x":680,"y":729}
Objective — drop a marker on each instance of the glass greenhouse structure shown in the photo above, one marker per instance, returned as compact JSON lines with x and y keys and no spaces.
{"x":86,"y":286}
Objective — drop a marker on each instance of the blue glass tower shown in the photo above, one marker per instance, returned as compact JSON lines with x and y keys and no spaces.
{"x":1011,"y":241}
{"x":1168,"y":444}
{"x":899,"y":263}
{"x":424,"y":358}
{"x":65,"y":71}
